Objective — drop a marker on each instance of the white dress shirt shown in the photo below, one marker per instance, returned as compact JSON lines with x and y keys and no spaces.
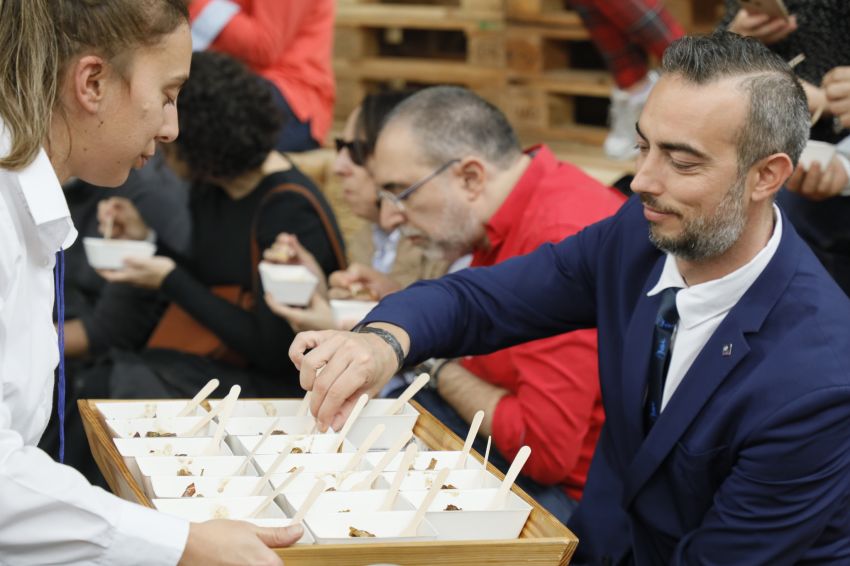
{"x":703,"y":307}
{"x":49,"y":513}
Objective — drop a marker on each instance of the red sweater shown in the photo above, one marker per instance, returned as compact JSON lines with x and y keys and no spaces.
{"x":290,"y":43}
{"x":554,"y":403}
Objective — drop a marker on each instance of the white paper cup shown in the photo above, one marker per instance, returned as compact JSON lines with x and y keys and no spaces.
{"x":386,"y":526}
{"x":202,"y":509}
{"x":475,"y":520}
{"x":202,"y":466}
{"x":817,"y":152}
{"x":140,"y":428}
{"x":132,"y":448}
{"x":434,"y":460}
{"x":144,"y":409}
{"x":210,"y":487}
{"x":307,"y":444}
{"x":310,"y":462}
{"x":263,"y":408}
{"x":458,"y":479}
{"x":110,"y":254}
{"x":331,"y":502}
{"x":334,"y":481}
{"x":256,"y":426}
{"x":349,"y":311}
{"x":374,"y":413}
{"x":288,"y":284}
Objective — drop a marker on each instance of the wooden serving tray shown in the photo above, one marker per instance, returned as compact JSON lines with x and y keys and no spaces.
{"x":544,"y":540}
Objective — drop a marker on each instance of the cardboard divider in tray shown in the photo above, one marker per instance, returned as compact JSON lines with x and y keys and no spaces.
{"x":542,"y":541}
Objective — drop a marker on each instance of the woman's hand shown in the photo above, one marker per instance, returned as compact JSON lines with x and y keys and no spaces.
{"x":817,"y":184}
{"x":766,"y":29}
{"x":362,"y":283}
{"x":119,"y":218}
{"x":836,"y":84}
{"x":286,"y":249}
{"x":316,"y":316}
{"x":148,"y":273}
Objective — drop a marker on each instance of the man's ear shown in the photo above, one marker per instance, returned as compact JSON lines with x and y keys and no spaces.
{"x":88,"y":78}
{"x":474,"y":177}
{"x":768,"y":175}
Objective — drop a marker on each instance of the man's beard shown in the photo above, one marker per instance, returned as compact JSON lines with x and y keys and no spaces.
{"x":704,"y":237}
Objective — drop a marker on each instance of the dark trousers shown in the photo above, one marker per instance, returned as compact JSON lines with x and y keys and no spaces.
{"x":295,"y":135}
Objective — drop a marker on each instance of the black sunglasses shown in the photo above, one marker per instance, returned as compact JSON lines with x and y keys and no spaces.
{"x":358,"y":150}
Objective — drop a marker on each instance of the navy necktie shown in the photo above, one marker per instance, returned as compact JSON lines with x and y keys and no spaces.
{"x":665,"y":323}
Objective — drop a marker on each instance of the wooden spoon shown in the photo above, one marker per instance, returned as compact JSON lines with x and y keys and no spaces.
{"x":273,"y":468}
{"x":406,"y":461}
{"x":199,"y":398}
{"x":408,"y":393}
{"x":305,"y":507}
{"x":413,"y":526}
{"x":364,"y":447}
{"x":470,"y":438}
{"x":516,"y":466}
{"x":346,"y":428}
{"x":384,"y":461}
{"x":266,"y":435}
{"x":228,"y":403}
{"x":277,"y":491}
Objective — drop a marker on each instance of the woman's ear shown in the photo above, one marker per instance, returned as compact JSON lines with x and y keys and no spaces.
{"x":769,"y":175}
{"x":88,"y":77}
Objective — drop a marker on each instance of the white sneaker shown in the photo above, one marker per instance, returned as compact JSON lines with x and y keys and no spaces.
{"x":625,"y":111}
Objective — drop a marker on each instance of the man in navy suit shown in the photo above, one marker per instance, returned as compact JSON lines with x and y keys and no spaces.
{"x":732,"y":446}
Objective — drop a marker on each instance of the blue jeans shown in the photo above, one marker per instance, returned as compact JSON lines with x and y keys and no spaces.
{"x":552,"y":497}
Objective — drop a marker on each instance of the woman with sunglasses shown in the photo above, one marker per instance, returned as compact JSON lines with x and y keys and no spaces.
{"x":386,"y":260}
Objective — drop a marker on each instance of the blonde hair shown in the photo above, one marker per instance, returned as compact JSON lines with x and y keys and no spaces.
{"x":38,"y":38}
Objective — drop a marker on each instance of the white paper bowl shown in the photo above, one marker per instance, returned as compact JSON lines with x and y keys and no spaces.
{"x":110,"y":254}
{"x":256,"y":426}
{"x":374,"y":413}
{"x":288,"y":284}
{"x":331,"y":502}
{"x":475,"y":520}
{"x":144,"y":409}
{"x":202,"y":466}
{"x":132,"y":448}
{"x":386,"y":526}
{"x":129,"y":428}
{"x":350,"y":312}
{"x":306,"y":480}
{"x":310,"y":462}
{"x":308,"y":444}
{"x":209,"y":487}
{"x":263,"y":408}
{"x":817,"y":152}
{"x":202,"y":509}
{"x":460,"y":479}
{"x":444,"y":459}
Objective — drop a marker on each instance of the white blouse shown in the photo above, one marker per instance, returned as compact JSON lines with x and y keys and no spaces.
{"x":49,"y":513}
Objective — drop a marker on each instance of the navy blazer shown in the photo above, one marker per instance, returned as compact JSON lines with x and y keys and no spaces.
{"x":749,"y":463}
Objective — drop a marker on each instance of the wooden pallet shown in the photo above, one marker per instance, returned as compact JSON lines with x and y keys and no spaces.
{"x":544,"y":541}
{"x":547,"y":12}
{"x":459,"y":8}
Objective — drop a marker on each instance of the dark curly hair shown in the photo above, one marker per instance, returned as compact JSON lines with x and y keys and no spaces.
{"x":228,"y":118}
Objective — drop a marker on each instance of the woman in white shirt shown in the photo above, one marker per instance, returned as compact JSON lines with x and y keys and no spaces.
{"x":87,"y":89}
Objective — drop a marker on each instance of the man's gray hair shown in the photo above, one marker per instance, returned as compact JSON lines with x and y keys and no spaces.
{"x":450,"y":122}
{"x":778,"y":116}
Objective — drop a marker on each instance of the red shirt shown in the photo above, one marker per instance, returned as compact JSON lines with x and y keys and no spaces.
{"x":290,"y":43}
{"x":554,"y":405}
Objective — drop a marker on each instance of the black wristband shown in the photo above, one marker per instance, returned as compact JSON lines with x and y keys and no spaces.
{"x":388,"y":338}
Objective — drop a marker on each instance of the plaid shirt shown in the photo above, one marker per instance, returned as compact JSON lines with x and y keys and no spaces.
{"x":625,"y":31}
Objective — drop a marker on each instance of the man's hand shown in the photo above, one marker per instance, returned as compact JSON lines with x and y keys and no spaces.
{"x":836,"y":83}
{"x":361,"y":282}
{"x":148,"y":272}
{"x":225,"y":543}
{"x":119,"y":218}
{"x":762,"y":27}
{"x":816,"y":184}
{"x":351,"y":364}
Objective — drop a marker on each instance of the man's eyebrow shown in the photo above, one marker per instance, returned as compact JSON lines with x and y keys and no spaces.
{"x":675,"y":146}
{"x":394,"y":186}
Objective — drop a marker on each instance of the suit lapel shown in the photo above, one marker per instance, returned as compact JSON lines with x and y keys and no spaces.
{"x":725,"y":349}
{"x":636,"y":350}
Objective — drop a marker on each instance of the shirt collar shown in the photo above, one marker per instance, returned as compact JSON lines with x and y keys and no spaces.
{"x":43,"y":196}
{"x":499,"y":226}
{"x":702,"y":302}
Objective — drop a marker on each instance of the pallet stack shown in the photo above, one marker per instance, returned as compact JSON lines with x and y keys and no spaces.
{"x":532,"y":58}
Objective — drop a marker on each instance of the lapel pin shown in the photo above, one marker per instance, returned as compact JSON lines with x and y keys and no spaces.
{"x":727,"y":350}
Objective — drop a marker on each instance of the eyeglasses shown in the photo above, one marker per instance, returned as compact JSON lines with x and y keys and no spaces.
{"x":398,"y":199}
{"x":358,"y":150}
